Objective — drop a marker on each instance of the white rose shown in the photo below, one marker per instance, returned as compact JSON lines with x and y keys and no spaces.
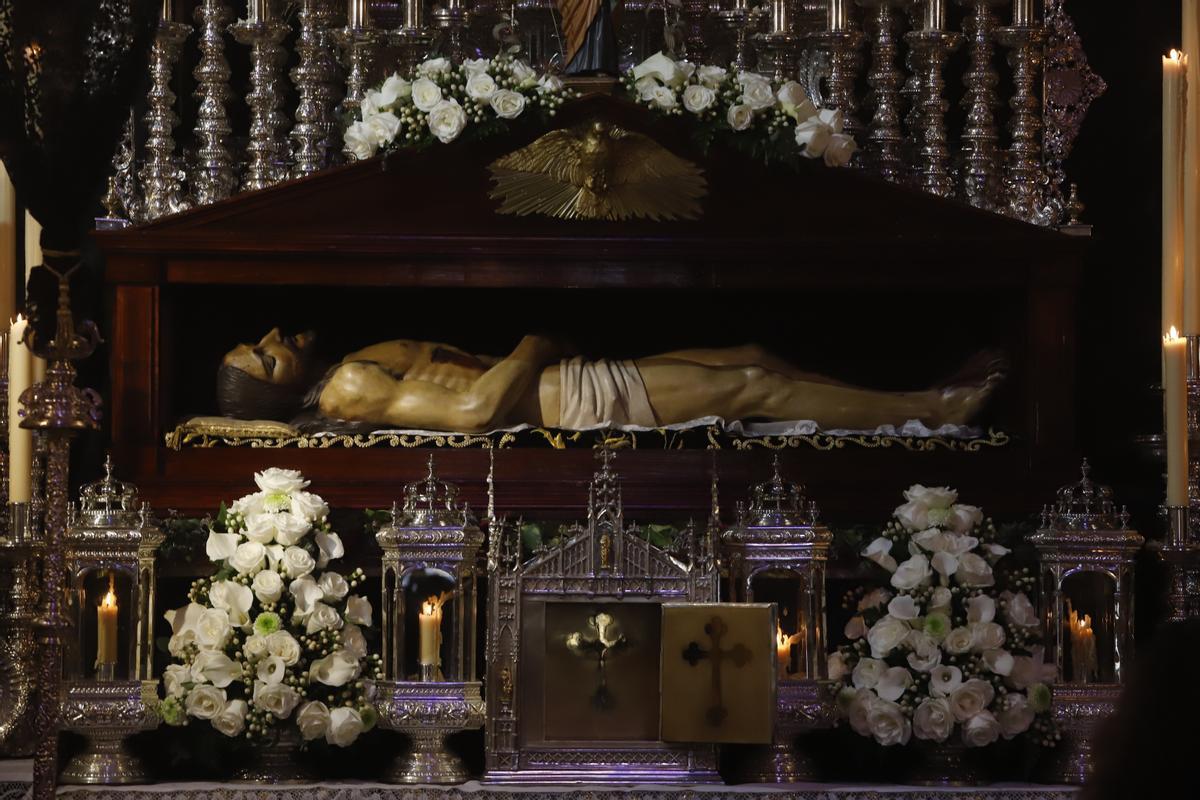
{"x":184,"y":619}
{"x":305,"y":593}
{"x":995,"y":551}
{"x":859,"y":710}
{"x":260,"y":528}
{"x":1031,"y":669}
{"x":971,"y":698}
{"x":267,"y":586}
{"x":205,"y":702}
{"x":249,"y":505}
{"x":550,"y":84}
{"x":932,"y":720}
{"x":329,"y":547}
{"x":434,"y":66}
{"x":1016,"y":717}
{"x":876,"y":598}
{"x":913,"y":515}
{"x":904,"y":607}
{"x":283,"y":645}
{"x":481,"y":87}
{"x":523,"y":74}
{"x":474,"y":66}
{"x":856,"y":628}
{"x":174,"y":678}
{"x":998,"y":661}
{"x":980,"y":730}
{"x":285,"y":481}
{"x":958,"y":641}
{"x":886,"y":635}
{"x":345,"y":724}
{"x":840,"y":150}
{"x":354,"y":642}
{"x":385,"y":127}
{"x":659,"y":67}
{"x":981,"y":608}
{"x":271,"y":670}
{"x":944,"y":564}
{"x":333,"y":585}
{"x":912,"y":573}
{"x":508,"y":104}
{"x":323,"y":617}
{"x":297,"y":562}
{"x":836,"y":668}
{"x":698,"y":99}
{"x":892,"y":684}
{"x":290,"y":528}
{"x":248,"y":558}
{"x":814,"y":137}
{"x":213,"y":666}
{"x":221,"y":546}
{"x":974,"y":571}
{"x":888,"y":724}
{"x":867,"y":673}
{"x":309,"y":507}
{"x":925,"y":653}
{"x":756,"y":91}
{"x":359,"y":141}
{"x":393,"y":89}
{"x":795,"y":101}
{"x":1020,"y":612}
{"x":686,"y":70}
{"x":426,"y":94}
{"x":232,"y":719}
{"x":277,"y":699}
{"x":879,"y":551}
{"x":929,"y":496}
{"x":645,"y":87}
{"x":710,"y":76}
{"x":255,"y":647}
{"x":447,"y":120}
{"x":940,"y":600}
{"x":663,"y":98}
{"x":944,"y":680}
{"x":358,"y":610}
{"x":213,"y":630}
{"x":312,"y":720}
{"x":963,"y":519}
{"x":336,"y":669}
{"x":986,"y":636}
{"x":833,"y":118}
{"x":274,"y":555}
{"x":234,"y":599}
{"x":739,"y":116}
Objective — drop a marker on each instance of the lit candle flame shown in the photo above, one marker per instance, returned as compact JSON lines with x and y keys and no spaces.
{"x":110,"y":599}
{"x":1172,"y":336}
{"x":1176,"y":55}
{"x":434,"y":604}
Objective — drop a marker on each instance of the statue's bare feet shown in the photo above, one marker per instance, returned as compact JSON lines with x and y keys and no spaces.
{"x":962,"y":396}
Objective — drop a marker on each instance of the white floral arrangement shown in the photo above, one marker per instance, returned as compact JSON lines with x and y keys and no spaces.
{"x":747,"y":109}
{"x":943,"y":651}
{"x":273,"y":635}
{"x":441,"y":100}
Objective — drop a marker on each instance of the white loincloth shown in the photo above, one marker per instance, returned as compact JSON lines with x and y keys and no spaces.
{"x":603,"y":392}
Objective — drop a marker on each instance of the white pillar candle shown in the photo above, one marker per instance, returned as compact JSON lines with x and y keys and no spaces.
{"x":1191,"y":170}
{"x":1174,"y":99}
{"x":20,"y":440}
{"x":935,"y":15}
{"x":8,"y":246}
{"x":357,"y":14}
{"x":1024,"y":13}
{"x":1176,"y":432}
{"x":429,"y":627}
{"x":838,"y":17}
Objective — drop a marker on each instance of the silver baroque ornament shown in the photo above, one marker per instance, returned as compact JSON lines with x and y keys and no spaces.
{"x":213,"y":178}
{"x":162,"y":176}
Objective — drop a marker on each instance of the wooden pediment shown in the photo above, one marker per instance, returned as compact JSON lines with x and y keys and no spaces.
{"x":429,"y":212}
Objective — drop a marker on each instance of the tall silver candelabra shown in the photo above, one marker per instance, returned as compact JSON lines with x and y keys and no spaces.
{"x":933,"y":156}
{"x":455,"y":19}
{"x":739,"y":20}
{"x":265,"y":148}
{"x":313,"y":133}
{"x":980,"y":139}
{"x":1024,"y":176}
{"x":214,"y":179}
{"x":359,"y":46}
{"x":844,"y":65}
{"x":885,"y":78}
{"x":413,"y":39}
{"x":779,"y":46}
{"x":915,"y":71}
{"x":162,"y":176}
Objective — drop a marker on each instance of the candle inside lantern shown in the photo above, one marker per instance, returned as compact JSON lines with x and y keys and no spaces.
{"x":1175,"y":413}
{"x":429,"y":626}
{"x":935,"y":15}
{"x":1024,"y":14}
{"x":838,"y":18}
{"x":106,"y":634}
{"x":783,"y":652}
{"x":1174,"y":103}
{"x":1083,"y":647}
{"x":20,"y":440}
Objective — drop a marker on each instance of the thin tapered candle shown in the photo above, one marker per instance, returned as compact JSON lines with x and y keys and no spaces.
{"x":1173,"y":111}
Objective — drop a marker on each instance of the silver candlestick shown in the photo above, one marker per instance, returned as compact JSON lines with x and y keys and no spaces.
{"x":843,"y":44}
{"x":264,"y":101}
{"x":214,"y":178}
{"x":313,"y":135}
{"x":932,"y":45}
{"x":162,"y":177}
{"x":455,"y":19}
{"x":886,"y":136}
{"x":695,"y":19}
{"x":1024,"y":175}
{"x":359,"y":45}
{"x":1179,"y":552}
{"x":980,"y":139}
{"x":779,"y":46}
{"x":413,"y":39}
{"x":740,"y":20}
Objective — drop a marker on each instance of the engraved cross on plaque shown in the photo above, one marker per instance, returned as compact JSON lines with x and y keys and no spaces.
{"x":739,"y":655}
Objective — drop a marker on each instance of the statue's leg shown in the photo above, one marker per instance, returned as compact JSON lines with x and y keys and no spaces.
{"x":749,"y":355}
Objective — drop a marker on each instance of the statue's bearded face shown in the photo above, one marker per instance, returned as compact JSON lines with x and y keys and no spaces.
{"x":275,"y":359}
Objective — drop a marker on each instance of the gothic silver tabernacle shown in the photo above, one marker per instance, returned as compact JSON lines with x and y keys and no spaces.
{"x":555,"y":617}
{"x":1086,"y":550}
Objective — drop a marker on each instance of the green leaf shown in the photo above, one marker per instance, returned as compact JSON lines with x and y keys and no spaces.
{"x":531,"y":537}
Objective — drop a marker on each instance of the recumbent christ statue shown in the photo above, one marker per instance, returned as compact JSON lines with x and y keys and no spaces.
{"x":433,"y":386}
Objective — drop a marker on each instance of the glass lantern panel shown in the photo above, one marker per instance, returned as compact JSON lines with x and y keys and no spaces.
{"x":104,"y":612}
{"x":1087,"y":616}
{"x":787,"y":589}
{"x":433,"y":625}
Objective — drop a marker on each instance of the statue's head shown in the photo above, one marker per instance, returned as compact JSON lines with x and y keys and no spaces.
{"x":267,"y":380}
